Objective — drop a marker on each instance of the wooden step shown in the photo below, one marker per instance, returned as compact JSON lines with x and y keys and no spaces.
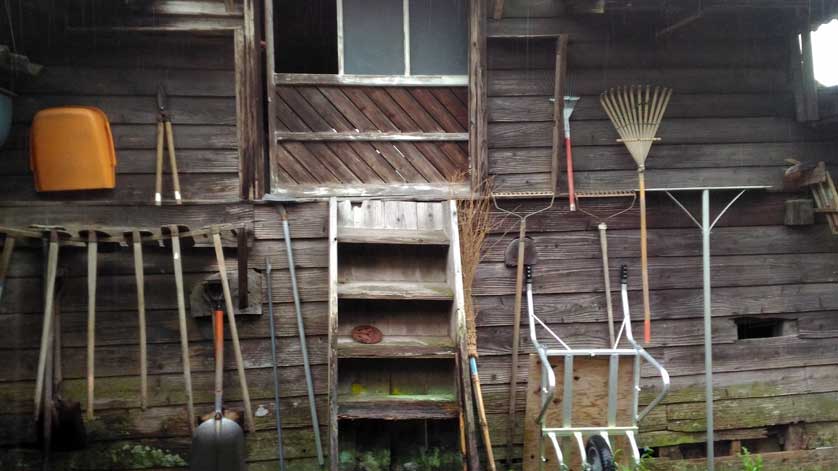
{"x":434,"y":291}
{"x":398,"y":347}
{"x":402,"y":407}
{"x":359,"y":235}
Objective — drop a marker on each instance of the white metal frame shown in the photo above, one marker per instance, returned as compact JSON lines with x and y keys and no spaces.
{"x":548,"y":384}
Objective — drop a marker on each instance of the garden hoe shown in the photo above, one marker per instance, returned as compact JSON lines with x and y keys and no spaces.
{"x":218,"y":443}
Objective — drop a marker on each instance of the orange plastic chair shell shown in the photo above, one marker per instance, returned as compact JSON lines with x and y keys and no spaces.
{"x":71,"y":148}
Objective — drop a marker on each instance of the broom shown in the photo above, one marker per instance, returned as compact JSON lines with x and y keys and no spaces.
{"x":636,"y":113}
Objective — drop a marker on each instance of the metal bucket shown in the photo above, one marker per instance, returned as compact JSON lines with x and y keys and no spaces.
{"x":5,"y":114}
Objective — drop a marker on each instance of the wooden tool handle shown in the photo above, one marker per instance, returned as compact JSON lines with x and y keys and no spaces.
{"x":158,"y":176}
{"x":481,"y":414}
{"x":52,"y":268}
{"x":184,"y":336}
{"x":170,"y":139}
{"x":513,"y":384}
{"x":140,"y":279}
{"x":644,"y":261}
{"x":234,"y":333}
{"x":606,"y":277}
{"x":218,"y":318}
{"x":92,"y":256}
{"x":5,"y":260}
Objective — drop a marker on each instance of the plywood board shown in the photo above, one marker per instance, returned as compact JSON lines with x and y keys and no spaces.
{"x":590,"y":405}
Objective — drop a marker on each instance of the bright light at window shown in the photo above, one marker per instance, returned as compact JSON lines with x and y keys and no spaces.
{"x":824,"y":45}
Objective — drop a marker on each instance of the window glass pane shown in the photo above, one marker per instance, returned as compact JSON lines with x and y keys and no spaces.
{"x":305,"y":32}
{"x":373,"y":37}
{"x":438,"y":37}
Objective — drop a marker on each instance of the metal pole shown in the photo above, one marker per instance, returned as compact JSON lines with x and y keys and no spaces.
{"x":708,"y":324}
{"x":303,"y":347}
{"x":280,"y":451}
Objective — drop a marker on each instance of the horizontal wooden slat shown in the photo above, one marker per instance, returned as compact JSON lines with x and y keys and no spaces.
{"x":395,"y":290}
{"x":357,"y":235}
{"x":371,"y":136}
{"x":397,"y":407}
{"x":398,"y":347}
{"x":371,"y":80}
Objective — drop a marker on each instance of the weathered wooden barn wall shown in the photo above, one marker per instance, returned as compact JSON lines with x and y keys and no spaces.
{"x":737,"y":116}
{"x":731,"y":121}
{"x":120,"y":73}
{"x":305,"y":109}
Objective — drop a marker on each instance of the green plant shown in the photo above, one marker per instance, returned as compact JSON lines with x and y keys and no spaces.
{"x":643,"y":465}
{"x":750,"y":462}
{"x":140,"y":456}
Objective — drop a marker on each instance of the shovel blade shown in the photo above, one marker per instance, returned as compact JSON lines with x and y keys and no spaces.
{"x":530,"y":252}
{"x":218,"y":445}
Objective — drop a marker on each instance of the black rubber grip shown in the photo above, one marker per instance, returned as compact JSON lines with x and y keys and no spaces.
{"x":624,"y":274}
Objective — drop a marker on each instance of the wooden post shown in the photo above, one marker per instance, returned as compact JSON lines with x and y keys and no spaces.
{"x":270,"y":89}
{"x":477,"y":119}
{"x":558,"y":110}
{"x":333,"y":334}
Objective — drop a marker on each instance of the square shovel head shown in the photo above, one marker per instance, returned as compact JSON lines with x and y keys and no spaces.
{"x":218,"y":445}
{"x":530,"y":252}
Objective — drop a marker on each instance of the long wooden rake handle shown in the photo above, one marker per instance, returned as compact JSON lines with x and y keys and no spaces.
{"x":140,"y":278}
{"x":644,"y":260}
{"x":184,"y":336}
{"x":516,"y":337}
{"x":481,"y":414}
{"x":603,"y":245}
{"x":52,"y":268}
{"x":92,"y":258}
{"x":234,"y":333}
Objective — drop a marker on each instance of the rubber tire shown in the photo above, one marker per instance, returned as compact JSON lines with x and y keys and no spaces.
{"x":599,"y":455}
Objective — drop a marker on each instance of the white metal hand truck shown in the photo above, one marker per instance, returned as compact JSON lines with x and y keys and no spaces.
{"x":597,"y":455}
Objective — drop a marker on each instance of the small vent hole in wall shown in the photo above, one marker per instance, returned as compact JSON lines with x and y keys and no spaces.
{"x":755,"y":328}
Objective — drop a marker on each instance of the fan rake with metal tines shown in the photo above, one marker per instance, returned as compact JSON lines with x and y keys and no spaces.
{"x":636,"y":112}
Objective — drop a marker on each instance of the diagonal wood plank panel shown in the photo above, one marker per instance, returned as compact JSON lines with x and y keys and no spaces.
{"x":341,"y":109}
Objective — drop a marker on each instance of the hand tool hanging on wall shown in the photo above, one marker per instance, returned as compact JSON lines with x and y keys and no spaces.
{"x":518,"y":260}
{"x":139,"y":276}
{"x":5,"y":261}
{"x":603,"y":246}
{"x":164,"y":129}
{"x":274,"y":361}
{"x":52,"y":267}
{"x":181,"y":311}
{"x":92,"y":259}
{"x":315,"y":423}
{"x":218,"y":443}
{"x":234,"y":332}
{"x":636,"y":113}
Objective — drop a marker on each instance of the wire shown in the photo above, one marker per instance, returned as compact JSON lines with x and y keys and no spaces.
{"x":600,"y":219}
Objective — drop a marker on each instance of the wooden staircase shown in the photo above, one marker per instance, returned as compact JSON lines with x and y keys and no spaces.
{"x":395,"y":265}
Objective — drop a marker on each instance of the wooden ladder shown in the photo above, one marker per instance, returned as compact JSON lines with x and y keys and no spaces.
{"x":395,"y":265}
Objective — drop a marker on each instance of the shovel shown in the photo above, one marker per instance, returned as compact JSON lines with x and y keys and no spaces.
{"x":218,"y":443}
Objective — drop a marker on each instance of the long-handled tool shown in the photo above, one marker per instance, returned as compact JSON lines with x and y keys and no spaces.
{"x":636,"y":112}
{"x":315,"y":423}
{"x":164,"y":130}
{"x":92,"y":259}
{"x":140,"y":278}
{"x":218,"y":443}
{"x":5,"y":260}
{"x":280,"y":450}
{"x":234,"y":332}
{"x":481,"y":414}
{"x":181,"y":311}
{"x":569,"y":105}
{"x":46,"y":332}
{"x":520,"y":253}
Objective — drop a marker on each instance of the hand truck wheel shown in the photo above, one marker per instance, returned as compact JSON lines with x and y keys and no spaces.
{"x":600,"y":457}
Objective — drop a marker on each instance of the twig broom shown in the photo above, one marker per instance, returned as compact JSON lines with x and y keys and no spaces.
{"x":636,"y":113}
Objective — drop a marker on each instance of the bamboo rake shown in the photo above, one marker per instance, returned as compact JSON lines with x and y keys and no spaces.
{"x":636,"y":113}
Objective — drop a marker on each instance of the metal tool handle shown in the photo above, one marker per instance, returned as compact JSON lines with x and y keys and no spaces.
{"x":280,"y":449}
{"x":624,"y":275}
{"x":218,"y":318}
{"x":158,"y":175}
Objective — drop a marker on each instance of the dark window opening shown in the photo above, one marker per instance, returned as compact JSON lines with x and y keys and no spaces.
{"x":305,"y":36}
{"x":752,"y":328}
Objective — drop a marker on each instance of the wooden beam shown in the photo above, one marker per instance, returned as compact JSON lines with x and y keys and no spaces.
{"x":270,"y":89}
{"x":558,"y":111}
{"x":478,"y":125}
{"x":408,"y":191}
{"x":497,"y":14}
{"x":372,"y":80}
{"x":371,"y":136}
